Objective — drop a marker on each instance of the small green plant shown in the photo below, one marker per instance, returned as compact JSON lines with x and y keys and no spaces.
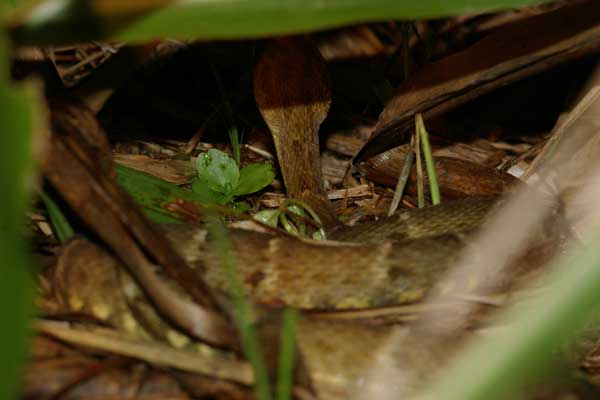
{"x":292,"y":215}
{"x":220,"y":179}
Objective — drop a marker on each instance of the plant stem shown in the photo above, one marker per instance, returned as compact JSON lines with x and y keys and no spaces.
{"x":287,"y":348}
{"x":417,"y":151}
{"x":242,"y":311}
{"x":234,"y":139}
{"x":429,"y":163}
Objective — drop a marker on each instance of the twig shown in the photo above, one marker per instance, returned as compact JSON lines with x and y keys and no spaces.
{"x":151,"y":351}
{"x":194,"y":140}
{"x":402,"y":178}
{"x":259,"y":151}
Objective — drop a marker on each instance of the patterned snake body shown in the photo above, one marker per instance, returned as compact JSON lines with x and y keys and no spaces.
{"x":395,"y":260}
{"x":391,"y":261}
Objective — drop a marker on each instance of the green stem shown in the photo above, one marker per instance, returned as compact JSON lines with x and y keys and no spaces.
{"x":310,"y":211}
{"x":417,"y":151}
{"x":287,"y":225}
{"x":287,"y":347}
{"x":242,"y":311}
{"x":429,"y":162}
{"x":234,"y":139}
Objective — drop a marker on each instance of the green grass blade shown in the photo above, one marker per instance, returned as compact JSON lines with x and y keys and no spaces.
{"x":60,"y":224}
{"x":17,"y":123}
{"x":429,"y":163}
{"x":234,"y":139}
{"x":59,"y":21}
{"x":287,"y":350}
{"x":242,"y":311}
{"x":496,"y":367}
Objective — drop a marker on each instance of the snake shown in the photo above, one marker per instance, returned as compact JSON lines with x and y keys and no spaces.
{"x":394,"y":260}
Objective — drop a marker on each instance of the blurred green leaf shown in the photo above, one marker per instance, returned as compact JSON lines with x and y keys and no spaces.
{"x":154,"y":194}
{"x":287,"y":354}
{"x":218,"y":171}
{"x":242,"y":310}
{"x":253,"y":178}
{"x":17,"y":122}
{"x":59,"y":21}
{"x":241,"y":207}
{"x":496,"y":366}
{"x":207,"y":195}
{"x":159,"y":217}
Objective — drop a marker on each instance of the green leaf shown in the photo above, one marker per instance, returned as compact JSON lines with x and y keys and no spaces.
{"x":52,"y":22}
{"x":153,"y":194}
{"x":253,"y":178}
{"x":240,"y":207}
{"x":201,"y":187}
{"x":18,"y":117}
{"x":497,"y":366}
{"x":318,"y":235}
{"x":217,"y":170}
{"x":295,"y":209}
{"x":159,"y":217}
{"x":60,"y":225}
{"x":268,"y":217}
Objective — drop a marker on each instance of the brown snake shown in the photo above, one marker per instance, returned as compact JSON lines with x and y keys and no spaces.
{"x":394,"y":260}
{"x":397,"y":260}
